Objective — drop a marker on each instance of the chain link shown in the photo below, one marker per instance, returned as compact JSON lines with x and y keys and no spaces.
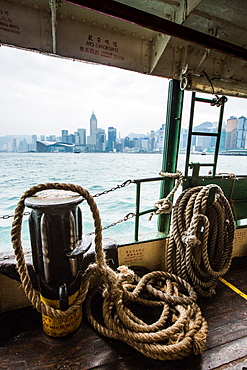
{"x":5,"y":257}
{"x":5,"y":217}
{"x":126,"y":218}
{"x":125,"y":183}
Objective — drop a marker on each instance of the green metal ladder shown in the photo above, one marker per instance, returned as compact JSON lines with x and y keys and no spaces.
{"x":191,"y":133}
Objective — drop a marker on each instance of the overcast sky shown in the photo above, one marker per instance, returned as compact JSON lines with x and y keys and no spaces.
{"x":42,"y":95}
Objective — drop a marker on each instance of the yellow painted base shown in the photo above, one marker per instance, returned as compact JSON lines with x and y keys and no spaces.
{"x":64,"y":326}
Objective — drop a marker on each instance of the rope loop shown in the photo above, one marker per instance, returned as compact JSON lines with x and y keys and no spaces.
{"x":200,"y":246}
{"x":30,"y":292}
{"x":178,"y":328}
{"x":165,"y":205}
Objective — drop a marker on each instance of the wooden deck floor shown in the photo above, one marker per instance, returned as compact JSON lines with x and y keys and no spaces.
{"x":25,"y":347}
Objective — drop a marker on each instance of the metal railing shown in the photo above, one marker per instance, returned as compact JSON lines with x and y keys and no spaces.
{"x":138,"y":212}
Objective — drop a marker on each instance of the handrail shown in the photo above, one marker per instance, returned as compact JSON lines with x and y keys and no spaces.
{"x":139,"y":213}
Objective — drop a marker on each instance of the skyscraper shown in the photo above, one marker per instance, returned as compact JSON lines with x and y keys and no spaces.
{"x":33,"y":145}
{"x":112,"y":134}
{"x":65,"y":134}
{"x":231,"y":125}
{"x":82,"y":136}
{"x":93,"y":123}
{"x":241,"y":131}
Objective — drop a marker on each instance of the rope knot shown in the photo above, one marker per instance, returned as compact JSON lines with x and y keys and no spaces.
{"x":125,"y":274}
{"x":199,"y":342}
{"x":164,"y":206}
{"x":189,"y":239}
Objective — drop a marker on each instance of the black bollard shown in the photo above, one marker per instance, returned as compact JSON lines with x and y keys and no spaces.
{"x":55,"y":227}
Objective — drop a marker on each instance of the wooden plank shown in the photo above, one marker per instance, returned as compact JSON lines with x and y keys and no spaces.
{"x":25,"y":346}
{"x":225,"y":355}
{"x":88,"y":350}
{"x":227,"y":334}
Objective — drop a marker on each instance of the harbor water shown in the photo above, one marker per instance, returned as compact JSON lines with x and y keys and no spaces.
{"x":96,"y":172}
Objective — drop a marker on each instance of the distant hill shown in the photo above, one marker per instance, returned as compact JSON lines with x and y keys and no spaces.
{"x":132,"y":135}
{"x":7,"y":138}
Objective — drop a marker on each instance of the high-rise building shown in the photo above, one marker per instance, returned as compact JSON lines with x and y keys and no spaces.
{"x":33,"y":144}
{"x":23,"y":146}
{"x":34,"y":139}
{"x":93,"y":123}
{"x":97,"y":141}
{"x":112,"y":134}
{"x":77,"y":138}
{"x":71,"y":139}
{"x":144,"y":144}
{"x":51,"y":138}
{"x":183,"y":138}
{"x":241,"y":131}
{"x":152,"y":140}
{"x":160,"y":138}
{"x":65,"y":134}
{"x":82,"y":136}
{"x":231,"y":125}
{"x":15,"y":145}
{"x":100,"y":140}
{"x":126,"y":142}
{"x":11,"y":146}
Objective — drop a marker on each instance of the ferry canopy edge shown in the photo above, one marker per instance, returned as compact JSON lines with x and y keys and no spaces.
{"x":202,"y":43}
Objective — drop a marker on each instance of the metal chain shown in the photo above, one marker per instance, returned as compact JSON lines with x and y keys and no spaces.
{"x":4,"y":257}
{"x":126,"y":218}
{"x":125,"y":183}
{"x":5,"y":217}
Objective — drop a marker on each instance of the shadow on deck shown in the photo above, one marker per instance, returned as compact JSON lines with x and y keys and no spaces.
{"x":24,"y":346}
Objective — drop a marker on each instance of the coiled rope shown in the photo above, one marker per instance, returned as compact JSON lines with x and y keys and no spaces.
{"x":200,"y":246}
{"x":180,"y":329}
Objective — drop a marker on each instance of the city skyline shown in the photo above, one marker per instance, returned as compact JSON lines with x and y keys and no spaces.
{"x":233,"y":136}
{"x":44,"y":93}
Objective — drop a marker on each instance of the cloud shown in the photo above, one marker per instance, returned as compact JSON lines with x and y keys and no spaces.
{"x":44,"y":94}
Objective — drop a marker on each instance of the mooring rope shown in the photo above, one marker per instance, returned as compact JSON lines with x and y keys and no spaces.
{"x":200,"y":246}
{"x":180,"y":329}
{"x":164,"y":205}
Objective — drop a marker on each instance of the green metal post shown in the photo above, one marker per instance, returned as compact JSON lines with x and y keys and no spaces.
{"x":192,"y":109}
{"x":217,"y":147}
{"x":138,"y":195}
{"x":171,"y":144}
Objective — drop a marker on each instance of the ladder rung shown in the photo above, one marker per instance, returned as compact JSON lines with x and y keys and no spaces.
{"x":199,"y":133}
{"x":204,"y":100}
{"x":201,"y":164}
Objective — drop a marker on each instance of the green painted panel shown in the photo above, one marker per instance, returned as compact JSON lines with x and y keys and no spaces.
{"x":235,"y":189}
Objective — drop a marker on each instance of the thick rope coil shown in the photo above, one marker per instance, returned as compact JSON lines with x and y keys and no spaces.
{"x":180,"y":329}
{"x":200,"y":246}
